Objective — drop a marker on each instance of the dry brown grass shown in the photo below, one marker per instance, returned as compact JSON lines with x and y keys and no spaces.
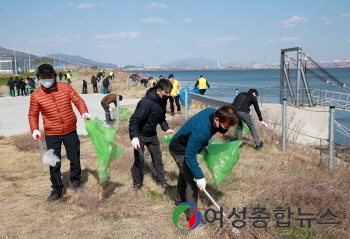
{"x":268,"y":178}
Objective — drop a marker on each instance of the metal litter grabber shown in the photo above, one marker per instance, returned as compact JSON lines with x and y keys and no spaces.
{"x":48,"y":157}
{"x":234,"y":230}
{"x":148,"y":162}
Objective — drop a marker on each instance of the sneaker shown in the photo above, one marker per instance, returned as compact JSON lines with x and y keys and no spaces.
{"x":164,"y":185}
{"x":74,"y":185}
{"x":172,"y":113}
{"x":260,"y":145}
{"x":138,"y":187}
{"x":179,"y":112}
{"x":55,"y":195}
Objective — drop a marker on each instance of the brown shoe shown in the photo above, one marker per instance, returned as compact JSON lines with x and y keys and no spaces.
{"x":138,"y":187}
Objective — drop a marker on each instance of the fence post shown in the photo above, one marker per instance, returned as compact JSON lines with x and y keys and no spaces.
{"x":118,"y":118}
{"x":186,"y":113}
{"x":284,"y":124}
{"x":331,"y":136}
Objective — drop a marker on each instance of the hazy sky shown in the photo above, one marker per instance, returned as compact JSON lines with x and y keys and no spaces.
{"x":156,"y":32}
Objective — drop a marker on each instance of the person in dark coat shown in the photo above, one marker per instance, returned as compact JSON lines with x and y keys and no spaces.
{"x":84,"y":84}
{"x":94,"y":81}
{"x":32,"y":85}
{"x":60,"y":75}
{"x":17,"y":84}
{"x":149,"y":112}
{"x":242,"y":104}
{"x":11,"y":85}
{"x":105,"y":84}
{"x":22,"y":86}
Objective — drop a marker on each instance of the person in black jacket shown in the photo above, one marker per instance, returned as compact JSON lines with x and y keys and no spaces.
{"x":22,"y":86}
{"x":242,"y":104}
{"x":149,"y":112}
{"x":60,"y":75}
{"x":94,"y":81}
{"x":84,"y":85}
{"x":105,"y":84}
{"x":17,"y":84}
{"x":32,"y":85}
{"x":11,"y":85}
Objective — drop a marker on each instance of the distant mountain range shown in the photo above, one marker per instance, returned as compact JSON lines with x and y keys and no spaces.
{"x":82,"y":60}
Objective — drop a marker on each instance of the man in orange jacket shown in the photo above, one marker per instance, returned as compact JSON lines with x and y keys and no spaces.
{"x":53,"y":100}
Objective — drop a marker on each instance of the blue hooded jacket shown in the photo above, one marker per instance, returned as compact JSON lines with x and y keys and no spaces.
{"x":192,"y":137}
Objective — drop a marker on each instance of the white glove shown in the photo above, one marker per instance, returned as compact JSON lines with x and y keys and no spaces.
{"x":200,"y":184}
{"x":86,"y":116}
{"x":135,"y":142}
{"x":36,"y":134}
{"x":169,"y":131}
{"x":110,"y":109}
{"x":264,"y":124}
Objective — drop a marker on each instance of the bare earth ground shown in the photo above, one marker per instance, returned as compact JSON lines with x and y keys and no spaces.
{"x":268,"y":178}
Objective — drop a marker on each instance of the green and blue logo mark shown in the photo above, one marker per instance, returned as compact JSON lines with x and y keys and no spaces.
{"x":194,"y":219}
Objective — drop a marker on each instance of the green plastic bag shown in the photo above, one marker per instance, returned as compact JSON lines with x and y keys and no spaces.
{"x":107,"y":151}
{"x":221,"y":158}
{"x":166,"y":138}
{"x":124,"y":113}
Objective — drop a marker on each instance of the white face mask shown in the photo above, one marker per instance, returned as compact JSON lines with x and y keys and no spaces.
{"x":47,"y":83}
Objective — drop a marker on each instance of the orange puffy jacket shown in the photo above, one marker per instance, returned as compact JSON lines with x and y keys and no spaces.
{"x":56,"y":109}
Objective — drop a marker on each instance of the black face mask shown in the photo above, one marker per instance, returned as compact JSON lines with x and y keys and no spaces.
{"x":222,"y":130}
{"x":165,"y":97}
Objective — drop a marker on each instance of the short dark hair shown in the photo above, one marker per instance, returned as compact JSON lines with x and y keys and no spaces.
{"x":227,"y":115}
{"x":164,"y":84}
{"x":253,"y":91}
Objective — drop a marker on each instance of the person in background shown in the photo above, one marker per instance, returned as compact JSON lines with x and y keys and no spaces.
{"x":108,"y":99}
{"x":60,"y":75}
{"x":144,"y":82}
{"x":94,"y":81}
{"x":242,"y":103}
{"x":31,"y":85}
{"x":111,"y":74}
{"x":152,"y":82}
{"x":105,"y":84}
{"x":189,"y":141}
{"x":134,"y":79}
{"x":149,"y":112}
{"x":84,"y":85}
{"x":53,"y":101}
{"x":68,"y":77}
{"x":17,"y":84}
{"x":100,"y":74}
{"x":11,"y":85}
{"x":22,"y":86}
{"x":174,"y":95}
{"x":202,"y":84}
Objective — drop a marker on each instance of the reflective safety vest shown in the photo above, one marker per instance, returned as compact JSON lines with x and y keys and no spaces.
{"x":152,"y":82}
{"x":176,"y":88}
{"x":202,"y":83}
{"x":68,"y":76}
{"x":111,"y":73}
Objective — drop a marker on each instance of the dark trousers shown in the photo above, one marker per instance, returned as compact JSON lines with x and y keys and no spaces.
{"x":94,"y":88}
{"x":12,"y":92}
{"x":248,"y":120}
{"x":202,"y":91}
{"x":187,"y":190}
{"x":23,"y":92}
{"x":108,"y":114}
{"x":17,"y":89}
{"x":152,"y":144}
{"x":84,"y":89}
{"x":72,"y":144}
{"x":177,"y":102}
